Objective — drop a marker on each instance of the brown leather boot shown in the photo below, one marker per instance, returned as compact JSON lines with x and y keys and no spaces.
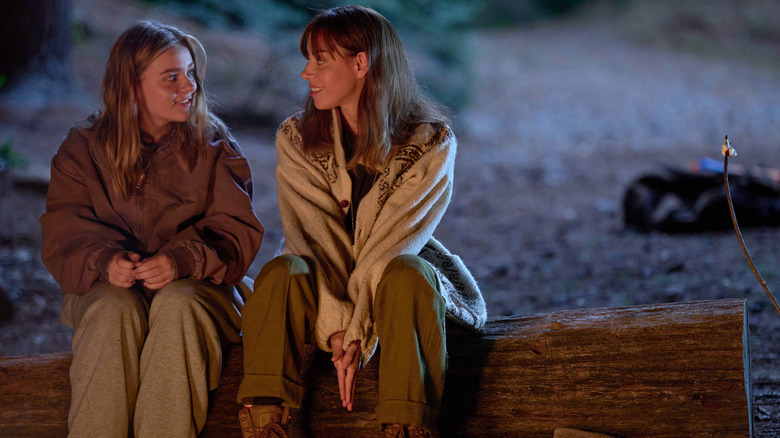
{"x":395,"y":431}
{"x":404,"y":431}
{"x":264,"y":421}
{"x":417,"y":432}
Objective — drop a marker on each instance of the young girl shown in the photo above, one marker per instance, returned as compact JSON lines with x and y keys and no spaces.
{"x":148,"y":228}
{"x":364,"y":175}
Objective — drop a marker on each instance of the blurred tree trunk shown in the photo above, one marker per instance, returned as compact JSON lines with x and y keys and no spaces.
{"x":35,"y":36}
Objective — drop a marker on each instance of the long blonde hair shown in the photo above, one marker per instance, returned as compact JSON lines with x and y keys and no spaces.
{"x":391,"y":104}
{"x":117,"y":124}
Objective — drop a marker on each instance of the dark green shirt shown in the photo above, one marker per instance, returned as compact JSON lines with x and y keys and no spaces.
{"x":362,"y":179}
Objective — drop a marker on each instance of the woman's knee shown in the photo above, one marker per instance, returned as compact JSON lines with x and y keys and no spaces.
{"x":287,"y":265}
{"x":280,"y":270}
{"x":406,"y":264}
{"x":405,"y":276}
{"x":281,"y":276}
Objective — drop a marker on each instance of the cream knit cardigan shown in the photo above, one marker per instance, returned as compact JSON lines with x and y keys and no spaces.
{"x":397,"y":216}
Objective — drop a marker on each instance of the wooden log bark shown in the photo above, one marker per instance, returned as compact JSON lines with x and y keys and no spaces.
{"x":34,"y":395}
{"x":574,"y":433}
{"x":666,"y":370}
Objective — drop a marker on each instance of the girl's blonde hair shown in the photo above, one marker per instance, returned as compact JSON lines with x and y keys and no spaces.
{"x":117,"y":124}
{"x":391,"y":104}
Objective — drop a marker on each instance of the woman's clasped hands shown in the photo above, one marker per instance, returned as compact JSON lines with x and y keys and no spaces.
{"x":347,"y":363}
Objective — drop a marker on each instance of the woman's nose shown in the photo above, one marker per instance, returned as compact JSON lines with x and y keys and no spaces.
{"x":306,"y":73}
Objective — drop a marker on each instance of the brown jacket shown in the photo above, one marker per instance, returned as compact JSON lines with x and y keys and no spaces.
{"x":203,"y":219}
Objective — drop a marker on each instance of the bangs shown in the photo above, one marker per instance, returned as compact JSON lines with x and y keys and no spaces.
{"x":322,"y":40}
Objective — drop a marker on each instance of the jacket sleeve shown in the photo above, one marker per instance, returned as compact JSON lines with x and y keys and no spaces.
{"x":313,"y":226}
{"x":223,"y":242}
{"x":76,"y":242}
{"x":404,"y":224}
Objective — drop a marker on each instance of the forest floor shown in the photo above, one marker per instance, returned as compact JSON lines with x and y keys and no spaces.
{"x":564,"y":116}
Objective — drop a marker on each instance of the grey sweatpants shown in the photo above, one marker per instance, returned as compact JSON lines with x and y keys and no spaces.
{"x":149,"y":363}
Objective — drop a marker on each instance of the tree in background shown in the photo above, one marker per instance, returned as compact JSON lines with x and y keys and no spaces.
{"x":35,"y":47}
{"x":435,"y":34}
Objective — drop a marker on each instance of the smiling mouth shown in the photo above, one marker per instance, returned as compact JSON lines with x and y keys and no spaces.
{"x":314,"y":90}
{"x":186,"y":101}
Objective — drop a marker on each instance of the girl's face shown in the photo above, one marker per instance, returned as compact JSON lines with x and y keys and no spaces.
{"x":336,"y":81}
{"x":165,"y":91}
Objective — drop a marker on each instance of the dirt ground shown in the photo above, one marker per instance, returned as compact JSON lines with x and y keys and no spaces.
{"x":565,"y":115}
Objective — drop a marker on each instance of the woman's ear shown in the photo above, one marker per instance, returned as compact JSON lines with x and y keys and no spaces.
{"x":361,"y":60}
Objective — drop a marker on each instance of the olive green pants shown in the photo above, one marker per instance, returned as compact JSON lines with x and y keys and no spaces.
{"x":149,"y":363}
{"x":278,"y":320}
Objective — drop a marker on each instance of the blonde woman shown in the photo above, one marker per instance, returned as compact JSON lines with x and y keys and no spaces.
{"x":364,"y":175}
{"x":148,"y":228}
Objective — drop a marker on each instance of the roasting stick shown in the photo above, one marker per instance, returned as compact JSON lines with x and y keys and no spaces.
{"x":727,"y":150}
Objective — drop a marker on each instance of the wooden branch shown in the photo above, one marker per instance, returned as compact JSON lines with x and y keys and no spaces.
{"x":666,"y":370}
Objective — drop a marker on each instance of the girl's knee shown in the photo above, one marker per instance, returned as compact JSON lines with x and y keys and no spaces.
{"x":113,"y":300}
{"x":104,"y":306}
{"x":178,"y":294}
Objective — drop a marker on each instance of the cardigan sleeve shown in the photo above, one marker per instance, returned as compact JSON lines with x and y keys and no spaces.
{"x":404,"y":224}
{"x":74,"y":237}
{"x":313,"y":226}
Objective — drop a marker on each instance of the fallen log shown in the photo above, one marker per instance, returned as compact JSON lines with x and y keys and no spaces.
{"x":666,"y":370}
{"x":574,"y":433}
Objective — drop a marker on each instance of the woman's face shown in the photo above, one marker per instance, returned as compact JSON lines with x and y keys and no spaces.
{"x":165,"y":91}
{"x":335,"y":81}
